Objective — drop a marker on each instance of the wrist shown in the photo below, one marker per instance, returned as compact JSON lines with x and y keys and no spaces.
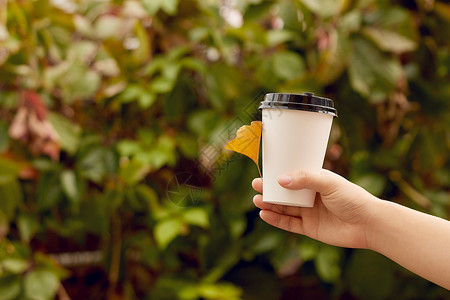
{"x":378,"y":213}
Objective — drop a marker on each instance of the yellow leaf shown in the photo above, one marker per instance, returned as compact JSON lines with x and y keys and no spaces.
{"x":247,"y":141}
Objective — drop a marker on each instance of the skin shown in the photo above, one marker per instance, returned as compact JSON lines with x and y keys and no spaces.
{"x":346,"y":215}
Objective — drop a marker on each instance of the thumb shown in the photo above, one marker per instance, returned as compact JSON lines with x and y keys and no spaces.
{"x":325,"y":182}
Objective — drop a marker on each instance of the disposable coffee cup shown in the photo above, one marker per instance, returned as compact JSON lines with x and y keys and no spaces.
{"x":296,"y":128}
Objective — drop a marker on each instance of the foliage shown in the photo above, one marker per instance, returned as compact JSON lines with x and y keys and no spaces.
{"x":114,"y":115}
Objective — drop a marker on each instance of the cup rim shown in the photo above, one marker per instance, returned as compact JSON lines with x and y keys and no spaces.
{"x":306,"y":102}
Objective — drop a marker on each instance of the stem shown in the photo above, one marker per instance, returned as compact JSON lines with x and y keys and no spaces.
{"x":62,"y":293}
{"x":115,"y":256}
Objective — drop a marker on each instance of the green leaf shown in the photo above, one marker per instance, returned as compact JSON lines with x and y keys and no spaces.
{"x":170,"y":71}
{"x":28,"y":226}
{"x":390,"y":41}
{"x":162,"y":85}
{"x":256,"y":11}
{"x":177,"y":52}
{"x":393,"y":18}
{"x":69,"y":186}
{"x":107,"y":26}
{"x":198,"y":34}
{"x":193,"y":64}
{"x":167,"y":230}
{"x":146,"y":137}
{"x":137,"y":92}
{"x":9,"y":170}
{"x":78,"y":82}
{"x":155,"y":65}
{"x":128,"y":147}
{"x":182,"y":194}
{"x":10,"y":287}
{"x":168,"y":6}
{"x":14,"y":265}
{"x":134,"y":202}
{"x":83,"y":25}
{"x":40,"y":284}
{"x":146,"y":100}
{"x":142,"y":53}
{"x":11,"y":197}
{"x":372,"y":73}
{"x":196,"y":216}
{"x":68,"y":132}
{"x":323,"y":8}
{"x":327,"y":263}
{"x":49,"y":191}
{"x":113,"y":198}
{"x":350,"y":22}
{"x":220,"y":291}
{"x":374,"y":183}
{"x":265,"y":243}
{"x":308,"y":249}
{"x":51,"y":196}
{"x":92,"y":164}
{"x":161,"y":154}
{"x":188,"y":145}
{"x":288,"y":65}
{"x":107,"y":67}
{"x":147,"y":194}
{"x":222,"y":260}
{"x":237,"y":224}
{"x":372,"y":275}
{"x":201,"y":122}
{"x":276,"y":37}
{"x":134,"y":171}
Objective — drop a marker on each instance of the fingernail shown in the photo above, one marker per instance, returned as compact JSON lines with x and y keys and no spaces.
{"x":284,"y":179}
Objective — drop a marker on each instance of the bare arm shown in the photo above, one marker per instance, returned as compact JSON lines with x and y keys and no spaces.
{"x":348,"y":216}
{"x":417,"y":241}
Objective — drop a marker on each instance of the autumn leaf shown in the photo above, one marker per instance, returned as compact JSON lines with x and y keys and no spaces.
{"x":247,"y":141}
{"x":31,"y":126}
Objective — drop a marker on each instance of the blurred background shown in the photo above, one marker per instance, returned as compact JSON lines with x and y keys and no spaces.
{"x":113,"y":117}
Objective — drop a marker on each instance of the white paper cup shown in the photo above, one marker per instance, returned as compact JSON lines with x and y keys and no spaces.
{"x":295,"y":136}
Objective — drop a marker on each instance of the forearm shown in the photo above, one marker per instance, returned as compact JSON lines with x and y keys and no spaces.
{"x":417,"y":241}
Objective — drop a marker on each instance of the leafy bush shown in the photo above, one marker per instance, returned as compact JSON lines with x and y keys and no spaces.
{"x":114,"y":114}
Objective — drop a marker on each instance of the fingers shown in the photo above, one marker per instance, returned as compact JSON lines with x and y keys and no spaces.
{"x":280,"y":209}
{"x":325,"y":182}
{"x":258,"y":201}
{"x":257,"y":185}
{"x":289,"y":223}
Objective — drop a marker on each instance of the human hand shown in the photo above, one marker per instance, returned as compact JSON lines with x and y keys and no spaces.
{"x":340,"y":214}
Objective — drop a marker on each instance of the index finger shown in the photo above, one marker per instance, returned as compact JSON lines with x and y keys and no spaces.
{"x":257,"y":185}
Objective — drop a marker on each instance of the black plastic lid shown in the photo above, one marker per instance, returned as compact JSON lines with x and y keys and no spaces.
{"x":305,"y":101}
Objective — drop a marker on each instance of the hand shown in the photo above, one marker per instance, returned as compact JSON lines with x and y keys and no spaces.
{"x":340,"y":214}
{"x":346,"y":215}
